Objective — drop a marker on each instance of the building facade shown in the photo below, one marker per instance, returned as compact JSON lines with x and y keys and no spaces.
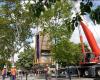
{"x":43,"y":49}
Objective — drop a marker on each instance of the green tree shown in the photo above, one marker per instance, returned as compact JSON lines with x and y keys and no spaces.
{"x":25,"y":60}
{"x":17,"y":18}
{"x":4,"y":62}
{"x":66,"y":52}
{"x":86,"y":7}
{"x":60,"y":30}
{"x":95,"y":15}
{"x":14,"y":28}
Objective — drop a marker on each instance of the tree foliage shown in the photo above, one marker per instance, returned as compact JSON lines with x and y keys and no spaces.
{"x":3,"y":63}
{"x":60,"y":29}
{"x":25,"y":60}
{"x":66,"y":52}
{"x":14,"y":28}
{"x":95,"y":15}
{"x":87,"y":8}
{"x":17,"y":17}
{"x":59,"y":25}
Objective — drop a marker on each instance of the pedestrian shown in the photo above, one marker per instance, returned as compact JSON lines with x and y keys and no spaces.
{"x":35,"y":72}
{"x":13,"y":73}
{"x":4,"y":72}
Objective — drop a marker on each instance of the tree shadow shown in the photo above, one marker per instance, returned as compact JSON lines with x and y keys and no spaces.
{"x":96,"y":78}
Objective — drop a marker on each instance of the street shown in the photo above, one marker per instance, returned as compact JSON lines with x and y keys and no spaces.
{"x":42,"y":78}
{"x":31,"y":78}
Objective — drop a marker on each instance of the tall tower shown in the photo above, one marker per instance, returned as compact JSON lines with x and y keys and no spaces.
{"x":43,"y":45}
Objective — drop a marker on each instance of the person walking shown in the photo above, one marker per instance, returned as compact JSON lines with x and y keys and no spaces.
{"x":4,"y":72}
{"x":46,"y":72}
{"x":13,"y":73}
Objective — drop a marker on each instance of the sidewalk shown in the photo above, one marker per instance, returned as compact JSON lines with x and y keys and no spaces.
{"x":41,"y":77}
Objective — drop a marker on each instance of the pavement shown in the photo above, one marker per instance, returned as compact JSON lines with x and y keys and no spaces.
{"x":32,"y":77}
{"x":53,"y":79}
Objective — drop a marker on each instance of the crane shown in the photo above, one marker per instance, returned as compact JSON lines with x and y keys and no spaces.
{"x":91,"y":64}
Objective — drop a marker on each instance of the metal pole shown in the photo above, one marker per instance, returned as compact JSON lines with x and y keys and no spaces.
{"x":57,"y":70}
{"x":26,"y":76}
{"x":69,"y":73}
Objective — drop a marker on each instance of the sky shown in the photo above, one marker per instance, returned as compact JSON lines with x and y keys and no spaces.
{"x":95,"y":29}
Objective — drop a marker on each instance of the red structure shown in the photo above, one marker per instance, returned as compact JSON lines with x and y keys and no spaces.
{"x":91,"y":40}
{"x":93,"y":44}
{"x":91,"y":64}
